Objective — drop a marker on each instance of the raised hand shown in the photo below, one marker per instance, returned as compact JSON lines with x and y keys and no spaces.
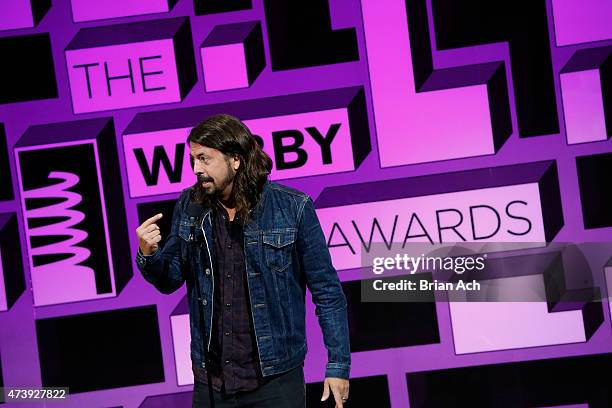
{"x":149,"y":235}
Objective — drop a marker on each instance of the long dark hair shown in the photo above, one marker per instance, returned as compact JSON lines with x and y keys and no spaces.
{"x":231,"y":137}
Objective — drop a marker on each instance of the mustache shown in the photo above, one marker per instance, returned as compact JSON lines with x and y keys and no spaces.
{"x":203,"y":179}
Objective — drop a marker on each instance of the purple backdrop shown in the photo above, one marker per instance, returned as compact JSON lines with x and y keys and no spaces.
{"x":385,"y":112}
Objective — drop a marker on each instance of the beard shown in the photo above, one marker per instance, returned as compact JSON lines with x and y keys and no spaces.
{"x":213,"y":189}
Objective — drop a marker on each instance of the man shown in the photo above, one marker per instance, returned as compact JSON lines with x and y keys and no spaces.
{"x":255,"y":246}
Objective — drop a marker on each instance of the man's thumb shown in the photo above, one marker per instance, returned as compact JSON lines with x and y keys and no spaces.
{"x":325,"y":391}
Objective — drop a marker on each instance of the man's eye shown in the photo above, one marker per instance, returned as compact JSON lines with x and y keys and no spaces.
{"x":201,"y":158}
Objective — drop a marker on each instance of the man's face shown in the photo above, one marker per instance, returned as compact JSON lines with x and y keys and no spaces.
{"x":215,"y":171}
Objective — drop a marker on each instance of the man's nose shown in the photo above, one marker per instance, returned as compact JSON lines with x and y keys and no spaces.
{"x":199,"y":171}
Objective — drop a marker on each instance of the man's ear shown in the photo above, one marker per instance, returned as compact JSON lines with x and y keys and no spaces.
{"x":237,"y":162}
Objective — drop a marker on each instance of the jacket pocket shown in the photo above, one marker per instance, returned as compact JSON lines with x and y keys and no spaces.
{"x":277,"y":248}
{"x":185,"y":227}
{"x":190,"y":244}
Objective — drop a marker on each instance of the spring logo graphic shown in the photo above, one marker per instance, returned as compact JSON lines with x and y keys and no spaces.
{"x":64,"y":279}
{"x":61,"y":209}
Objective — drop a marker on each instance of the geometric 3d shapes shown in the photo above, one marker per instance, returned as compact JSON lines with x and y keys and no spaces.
{"x":305,"y":134}
{"x":586,"y":90}
{"x":300,"y":35}
{"x":181,"y":342}
{"x":86,"y":10}
{"x":383,"y":325}
{"x":539,"y":382}
{"x":101,"y":350}
{"x":15,"y":14}
{"x":459,"y":24}
{"x":232,"y":56}
{"x":176,"y":400}
{"x":517,"y":203}
{"x":73,"y":209}
{"x":537,"y":313}
{"x":595,"y":189}
{"x":6,"y":185}
{"x":577,"y":21}
{"x":202,"y":7}
{"x":421,"y":114}
{"x":563,"y":279}
{"x":12,"y":282}
{"x":133,"y":64}
{"x":371,"y":391}
{"x":608,"y":278}
{"x":30,"y":75}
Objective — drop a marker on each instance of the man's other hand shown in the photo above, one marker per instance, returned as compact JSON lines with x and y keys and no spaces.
{"x":339,"y":387}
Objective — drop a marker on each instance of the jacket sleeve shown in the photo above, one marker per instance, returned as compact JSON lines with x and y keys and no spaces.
{"x":323,"y":282}
{"x":164,"y":268}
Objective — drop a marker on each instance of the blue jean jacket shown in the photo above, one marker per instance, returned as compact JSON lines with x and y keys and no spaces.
{"x":285,"y":251}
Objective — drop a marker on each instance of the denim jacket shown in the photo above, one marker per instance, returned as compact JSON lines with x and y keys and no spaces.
{"x":285,"y":251}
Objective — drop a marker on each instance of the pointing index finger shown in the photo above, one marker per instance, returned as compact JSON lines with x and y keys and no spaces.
{"x":152,"y":220}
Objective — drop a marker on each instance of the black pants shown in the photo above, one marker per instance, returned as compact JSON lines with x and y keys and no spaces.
{"x":285,"y":391}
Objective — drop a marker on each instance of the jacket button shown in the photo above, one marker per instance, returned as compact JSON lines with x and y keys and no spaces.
{"x":207,"y":271}
{"x":204,"y":302}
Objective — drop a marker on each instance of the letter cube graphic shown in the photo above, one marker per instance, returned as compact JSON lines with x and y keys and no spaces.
{"x":586,"y":89}
{"x":456,"y":113}
{"x":305,"y":134}
{"x":577,"y":21}
{"x":181,"y":340}
{"x":127,"y":65}
{"x":73,"y":210}
{"x":232,"y":56}
{"x":517,"y":203}
{"x":527,"y":301}
{"x":88,"y":10}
